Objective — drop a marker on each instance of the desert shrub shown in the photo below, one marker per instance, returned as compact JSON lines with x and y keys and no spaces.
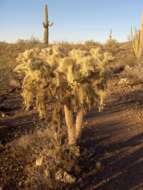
{"x":134,"y":74}
{"x":5,"y":74}
{"x":75,"y":81}
{"x":31,"y":41}
{"x":112,"y":46}
{"x":121,"y":61}
{"x":129,"y":60}
{"x":92,"y":43}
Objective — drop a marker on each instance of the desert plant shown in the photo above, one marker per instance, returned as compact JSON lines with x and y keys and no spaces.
{"x":33,"y":40}
{"x":134,"y":74}
{"x":137,"y":40}
{"x":75,"y":82}
{"x":111,"y":44}
{"x":46,"y":25}
{"x":92,"y":43}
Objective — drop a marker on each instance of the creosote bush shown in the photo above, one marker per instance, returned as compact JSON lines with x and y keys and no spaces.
{"x":134,"y":74}
{"x":112,"y":46}
{"x":66,"y":82}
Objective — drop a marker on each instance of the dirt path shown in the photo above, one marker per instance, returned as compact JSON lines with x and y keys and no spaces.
{"x":114,"y":137}
{"x":118,"y":142}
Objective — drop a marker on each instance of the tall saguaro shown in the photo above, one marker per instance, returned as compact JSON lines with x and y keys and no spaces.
{"x":46,"y":25}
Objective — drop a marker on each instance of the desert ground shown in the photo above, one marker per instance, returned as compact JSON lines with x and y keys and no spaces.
{"x":113,"y":137}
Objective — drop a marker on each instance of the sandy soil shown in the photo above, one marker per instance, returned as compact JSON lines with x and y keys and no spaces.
{"x":113,"y":137}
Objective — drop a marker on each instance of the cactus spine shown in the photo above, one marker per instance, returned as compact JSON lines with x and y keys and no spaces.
{"x":46,"y":25}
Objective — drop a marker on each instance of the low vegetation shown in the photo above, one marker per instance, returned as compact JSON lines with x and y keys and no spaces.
{"x":62,"y":83}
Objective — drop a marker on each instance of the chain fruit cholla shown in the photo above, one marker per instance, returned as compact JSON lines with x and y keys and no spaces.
{"x":71,"y":82}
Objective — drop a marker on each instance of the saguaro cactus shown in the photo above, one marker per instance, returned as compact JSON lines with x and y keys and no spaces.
{"x":110,"y":35}
{"x":46,"y":25}
{"x":137,"y":40}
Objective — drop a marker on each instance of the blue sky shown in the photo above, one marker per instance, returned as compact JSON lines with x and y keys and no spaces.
{"x":74,"y":20}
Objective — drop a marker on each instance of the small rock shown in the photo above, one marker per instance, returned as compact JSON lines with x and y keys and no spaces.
{"x":2,"y":114}
{"x":98,"y":166}
{"x":46,"y":173}
{"x":63,"y":176}
{"x":14,"y":83}
{"x":39,"y":161}
{"x":123,"y":81}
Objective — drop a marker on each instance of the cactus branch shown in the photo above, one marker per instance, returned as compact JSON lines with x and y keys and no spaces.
{"x":70,"y":126}
{"x":79,"y":122}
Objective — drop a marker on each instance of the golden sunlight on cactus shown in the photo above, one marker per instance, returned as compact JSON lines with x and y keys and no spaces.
{"x":76,"y":79}
{"x":137,"y":40}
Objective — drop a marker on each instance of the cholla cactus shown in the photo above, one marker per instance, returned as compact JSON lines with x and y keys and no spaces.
{"x":137,"y":40}
{"x":75,"y":80}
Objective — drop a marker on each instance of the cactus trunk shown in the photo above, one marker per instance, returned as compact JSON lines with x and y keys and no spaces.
{"x":46,"y":25}
{"x":73,"y":130}
{"x":46,"y":35}
{"x":79,"y":122}
{"x":70,"y":126}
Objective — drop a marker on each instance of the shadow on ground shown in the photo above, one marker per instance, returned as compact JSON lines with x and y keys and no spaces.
{"x":110,"y":138}
{"x":119,"y":148}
